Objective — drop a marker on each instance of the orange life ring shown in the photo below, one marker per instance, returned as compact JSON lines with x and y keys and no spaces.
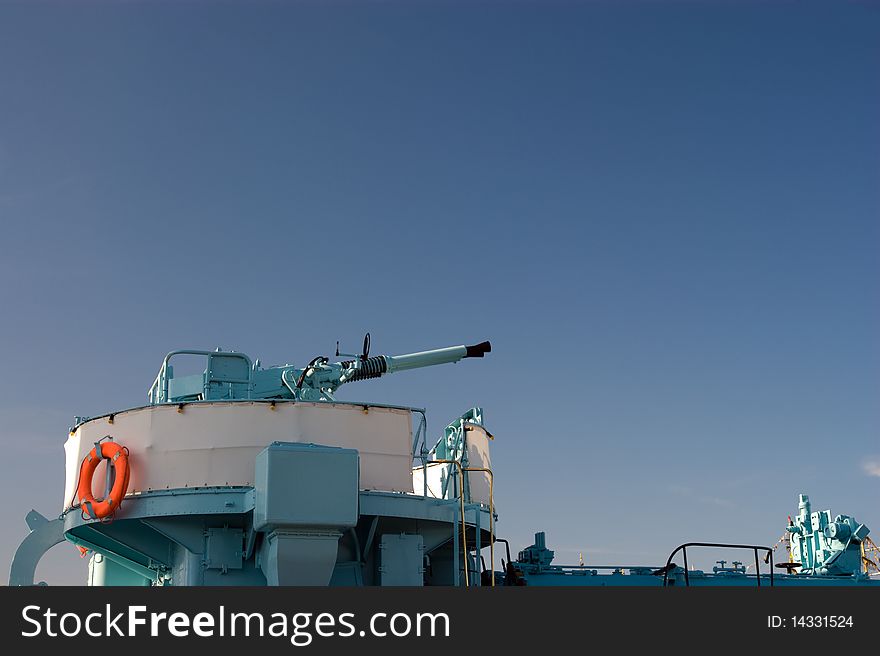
{"x":118,"y":457}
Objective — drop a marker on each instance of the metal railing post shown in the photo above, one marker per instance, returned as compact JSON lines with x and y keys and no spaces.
{"x":463,"y":525}
{"x":717,"y":545}
{"x":491,"y":516}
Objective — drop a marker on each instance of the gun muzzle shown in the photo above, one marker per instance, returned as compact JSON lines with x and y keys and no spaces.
{"x":478,"y":350}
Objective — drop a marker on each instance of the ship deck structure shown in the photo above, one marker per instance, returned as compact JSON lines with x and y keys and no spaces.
{"x":242,"y":475}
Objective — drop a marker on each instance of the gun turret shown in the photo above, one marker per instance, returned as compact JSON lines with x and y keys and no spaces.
{"x":231,"y":375}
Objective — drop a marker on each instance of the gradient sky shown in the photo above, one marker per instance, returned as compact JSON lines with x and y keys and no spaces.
{"x":665,"y":218}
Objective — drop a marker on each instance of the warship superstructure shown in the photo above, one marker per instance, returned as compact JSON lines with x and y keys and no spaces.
{"x":244,"y":475}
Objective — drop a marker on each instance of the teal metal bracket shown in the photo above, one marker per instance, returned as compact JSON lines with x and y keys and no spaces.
{"x":44,"y":535}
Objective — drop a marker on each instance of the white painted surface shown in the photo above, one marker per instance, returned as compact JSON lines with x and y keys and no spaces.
{"x":211,"y":444}
{"x":478,"y":456}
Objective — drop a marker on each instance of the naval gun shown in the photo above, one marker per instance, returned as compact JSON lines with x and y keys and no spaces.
{"x":826,"y":545}
{"x":232,"y":375}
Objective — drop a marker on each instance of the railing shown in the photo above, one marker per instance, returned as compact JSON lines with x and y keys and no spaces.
{"x":158,"y":392}
{"x":491,"y":515}
{"x":464,"y":549}
{"x":420,"y":440}
{"x":716,"y":545}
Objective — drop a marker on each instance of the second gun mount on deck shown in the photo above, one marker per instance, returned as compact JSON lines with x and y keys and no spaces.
{"x":231,"y":375}
{"x":821,"y":545}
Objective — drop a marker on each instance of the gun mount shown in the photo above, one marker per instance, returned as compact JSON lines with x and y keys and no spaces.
{"x":231,"y":375}
{"x":824,"y":545}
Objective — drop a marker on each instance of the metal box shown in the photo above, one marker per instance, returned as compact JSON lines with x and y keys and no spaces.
{"x":305,"y":485}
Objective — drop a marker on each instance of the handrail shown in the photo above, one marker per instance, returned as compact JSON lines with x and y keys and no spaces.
{"x":683,"y":549}
{"x":464,"y":554}
{"x":420,"y":432}
{"x":163,"y":377}
{"x":491,"y":517}
{"x":507,"y":546}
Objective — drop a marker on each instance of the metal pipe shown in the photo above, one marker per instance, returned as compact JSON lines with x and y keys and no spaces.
{"x":456,"y":547}
{"x":463,"y":525}
{"x":478,"y":544}
{"x":758,"y":567}
{"x":424,"y":473}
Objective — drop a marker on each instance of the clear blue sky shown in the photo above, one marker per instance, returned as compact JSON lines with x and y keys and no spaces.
{"x":665,"y":218}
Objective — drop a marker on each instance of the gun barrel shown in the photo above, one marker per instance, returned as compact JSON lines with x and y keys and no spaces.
{"x":385,"y":364}
{"x":436,"y":356}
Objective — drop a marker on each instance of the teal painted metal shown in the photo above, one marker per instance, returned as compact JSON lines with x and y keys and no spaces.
{"x":302,"y":485}
{"x":104,"y":571}
{"x":44,"y":534}
{"x":823,"y":551}
{"x":226,"y":375}
{"x":238,"y":535}
{"x":147,"y":573}
{"x":826,"y":546}
{"x":452,"y":445}
{"x":206,"y":536}
{"x":232,"y":375}
{"x":537,"y":557}
{"x":305,"y":498}
{"x":308,"y":521}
